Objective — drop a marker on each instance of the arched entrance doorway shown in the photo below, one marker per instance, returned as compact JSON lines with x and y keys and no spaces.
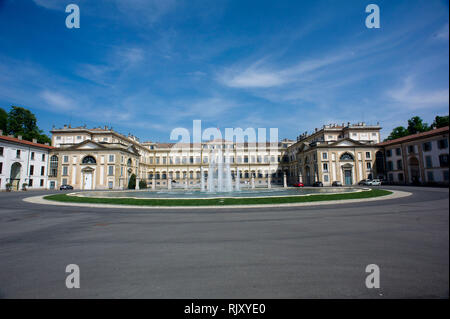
{"x":379,"y":164}
{"x":15,"y":175}
{"x":414,"y":170}
{"x":88,"y":180}
{"x":347,"y":168}
{"x":308,"y":175}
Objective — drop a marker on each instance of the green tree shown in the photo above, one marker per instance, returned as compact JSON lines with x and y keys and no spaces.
{"x":416,"y":125}
{"x":398,"y":132}
{"x":132,"y":182}
{"x":142,"y":184}
{"x":440,"y":121}
{"x":22,"y":122}
{"x":3,"y":120}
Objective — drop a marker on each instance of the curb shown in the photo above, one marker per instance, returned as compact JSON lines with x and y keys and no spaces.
{"x":40,"y":200}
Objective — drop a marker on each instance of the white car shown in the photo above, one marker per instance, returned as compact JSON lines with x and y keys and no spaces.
{"x":375,"y":182}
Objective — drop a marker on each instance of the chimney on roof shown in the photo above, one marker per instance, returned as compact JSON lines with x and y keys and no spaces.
{"x":19,"y":137}
{"x":47,"y":144}
{"x":34,"y":140}
{"x":65,"y":125}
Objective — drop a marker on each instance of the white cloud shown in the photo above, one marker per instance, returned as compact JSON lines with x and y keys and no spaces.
{"x":442,"y":34}
{"x":259,"y":75}
{"x":409,"y":95}
{"x":52,"y":4}
{"x":58,"y":100}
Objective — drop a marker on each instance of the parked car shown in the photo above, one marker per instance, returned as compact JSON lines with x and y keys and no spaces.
{"x":65,"y":187}
{"x":336,"y":183}
{"x":298,"y":185}
{"x":365,"y":182}
{"x":318,"y":184}
{"x":375,"y":182}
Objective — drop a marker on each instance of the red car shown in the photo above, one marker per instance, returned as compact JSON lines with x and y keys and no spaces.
{"x":298,"y":185}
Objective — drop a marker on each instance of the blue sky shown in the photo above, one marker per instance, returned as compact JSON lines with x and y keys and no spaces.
{"x":148,"y":66}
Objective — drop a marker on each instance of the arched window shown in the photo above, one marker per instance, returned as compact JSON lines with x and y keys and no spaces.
{"x":54,"y":166}
{"x":129,"y":162}
{"x":346,"y":157}
{"x":89,"y":160}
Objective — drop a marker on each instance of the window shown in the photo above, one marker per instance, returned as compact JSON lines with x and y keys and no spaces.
{"x":30,"y":182}
{"x":41,"y":183}
{"x":42,"y":170}
{"x":1,"y":151}
{"x":32,"y":156}
{"x":324,"y":155}
{"x":325,"y":178}
{"x":18,"y":154}
{"x":446,"y":176}
{"x":443,"y":160}
{"x":388,"y":153}
{"x":399,"y":164}
{"x":367,"y":154}
{"x":428,"y":161}
{"x":89,"y":160}
{"x":31,"y":169}
{"x":43,"y":157}
{"x":390,"y":166}
{"x":400,"y":177}
{"x":411,"y":149}
{"x":369,"y":165}
{"x":110,"y":170}
{"x":427,"y":146}
{"x":346,"y":157}
{"x":443,"y":143}
{"x":398,"y":151}
{"x":430,"y":176}
{"x":66,"y":159}
{"x":78,"y":137}
{"x":1,"y":167}
{"x":58,"y":138}
{"x":64,"y":181}
{"x":325,"y":167}
{"x":391,"y":177}
{"x":54,"y":166}
{"x":111,"y":158}
{"x":65,"y":171}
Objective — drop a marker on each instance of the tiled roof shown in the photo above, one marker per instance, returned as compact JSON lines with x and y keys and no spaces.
{"x":415,"y":136}
{"x":16,"y":140}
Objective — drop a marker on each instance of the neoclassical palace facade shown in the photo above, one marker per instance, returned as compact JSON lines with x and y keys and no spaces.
{"x":100,"y":158}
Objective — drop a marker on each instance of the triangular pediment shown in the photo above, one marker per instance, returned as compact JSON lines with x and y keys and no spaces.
{"x":87,"y":145}
{"x":346,"y":142}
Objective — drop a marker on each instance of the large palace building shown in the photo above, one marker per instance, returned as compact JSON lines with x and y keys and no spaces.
{"x":101,"y":158}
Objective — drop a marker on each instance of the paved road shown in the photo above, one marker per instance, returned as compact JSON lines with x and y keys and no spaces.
{"x":315,"y":252}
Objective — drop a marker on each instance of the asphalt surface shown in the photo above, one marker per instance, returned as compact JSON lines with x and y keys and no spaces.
{"x":296,"y":252}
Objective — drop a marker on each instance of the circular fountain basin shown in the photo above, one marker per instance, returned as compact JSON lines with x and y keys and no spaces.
{"x":197,"y":194}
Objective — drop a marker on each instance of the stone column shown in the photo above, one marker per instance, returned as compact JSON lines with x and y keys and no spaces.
{"x":284,"y":180}
{"x":169,"y":184}
{"x":269,"y":182}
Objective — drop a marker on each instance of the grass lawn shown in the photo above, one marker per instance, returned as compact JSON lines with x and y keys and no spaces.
{"x":218,"y":201}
